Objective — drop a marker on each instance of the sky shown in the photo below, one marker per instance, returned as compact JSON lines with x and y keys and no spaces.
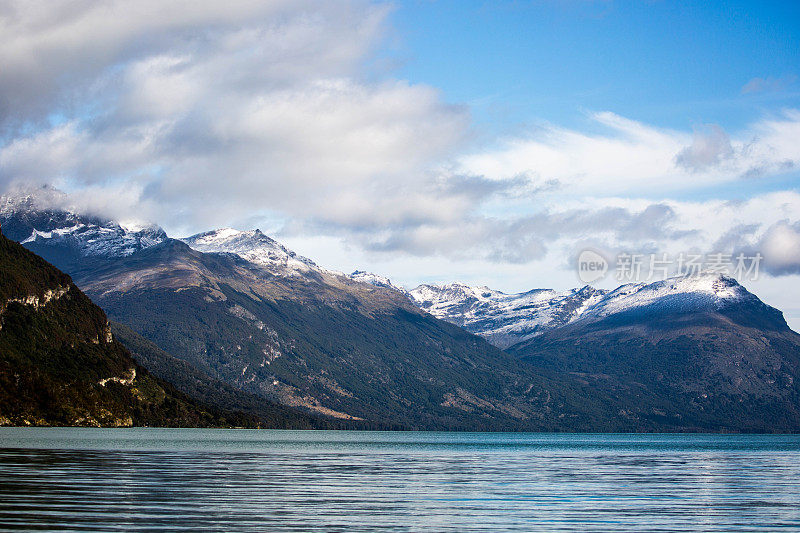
{"x":427,"y":141}
{"x":670,"y":64}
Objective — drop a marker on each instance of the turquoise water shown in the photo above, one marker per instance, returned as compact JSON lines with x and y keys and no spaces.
{"x":256,"y":480}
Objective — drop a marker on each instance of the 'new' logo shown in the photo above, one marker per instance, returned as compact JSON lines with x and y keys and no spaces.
{"x":591,"y":266}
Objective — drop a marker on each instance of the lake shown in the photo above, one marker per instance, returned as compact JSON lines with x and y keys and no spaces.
{"x":143,"y":479}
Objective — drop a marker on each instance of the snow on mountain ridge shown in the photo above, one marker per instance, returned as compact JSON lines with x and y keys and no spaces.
{"x":373,"y":279}
{"x":25,"y":220}
{"x":693,"y":292}
{"x":506,"y":319}
{"x":255,"y":247}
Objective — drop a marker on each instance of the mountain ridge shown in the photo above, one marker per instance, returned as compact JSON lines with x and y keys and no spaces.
{"x":509,"y":319}
{"x":322,"y":341}
{"x":636,"y":358}
{"x":255,"y":247}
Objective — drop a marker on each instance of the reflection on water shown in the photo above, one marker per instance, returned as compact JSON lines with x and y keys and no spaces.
{"x":250,"y":480}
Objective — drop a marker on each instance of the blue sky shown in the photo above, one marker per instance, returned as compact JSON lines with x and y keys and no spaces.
{"x":672,"y":64}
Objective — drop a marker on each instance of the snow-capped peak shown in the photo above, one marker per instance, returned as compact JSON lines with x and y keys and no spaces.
{"x":221,"y":235}
{"x":255,"y":247}
{"x":28,"y":220}
{"x":681,"y":293}
{"x":454,"y":293}
{"x":506,"y":319}
{"x":373,"y":279}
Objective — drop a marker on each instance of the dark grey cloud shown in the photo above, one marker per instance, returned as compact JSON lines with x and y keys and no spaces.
{"x":762,"y":169}
{"x":736,"y":237}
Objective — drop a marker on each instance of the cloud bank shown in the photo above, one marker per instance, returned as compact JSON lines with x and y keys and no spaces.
{"x":201,"y":114}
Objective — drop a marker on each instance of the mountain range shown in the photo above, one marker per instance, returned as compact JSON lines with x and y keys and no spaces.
{"x":241,"y":310}
{"x":504,"y":319}
{"x":700,"y":348}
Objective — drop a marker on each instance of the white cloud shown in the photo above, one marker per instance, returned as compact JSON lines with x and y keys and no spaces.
{"x":244,"y":106}
{"x":54,"y":50}
{"x":629,"y":154}
{"x":630,"y":157}
{"x":780,"y":246}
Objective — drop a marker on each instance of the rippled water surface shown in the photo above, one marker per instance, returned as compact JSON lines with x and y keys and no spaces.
{"x":256,"y":480}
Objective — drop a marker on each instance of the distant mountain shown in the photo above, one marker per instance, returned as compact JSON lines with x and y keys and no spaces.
{"x":373,"y":279}
{"x":503,"y":319}
{"x":510,"y":319}
{"x":258,"y":318}
{"x":60,"y":364}
{"x":241,"y":310}
{"x":701,"y":352}
{"x":255,"y":247}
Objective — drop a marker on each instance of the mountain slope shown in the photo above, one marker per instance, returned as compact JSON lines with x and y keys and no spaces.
{"x":700,"y":350}
{"x":59,"y":364}
{"x":196,"y":384}
{"x":326,"y":343}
